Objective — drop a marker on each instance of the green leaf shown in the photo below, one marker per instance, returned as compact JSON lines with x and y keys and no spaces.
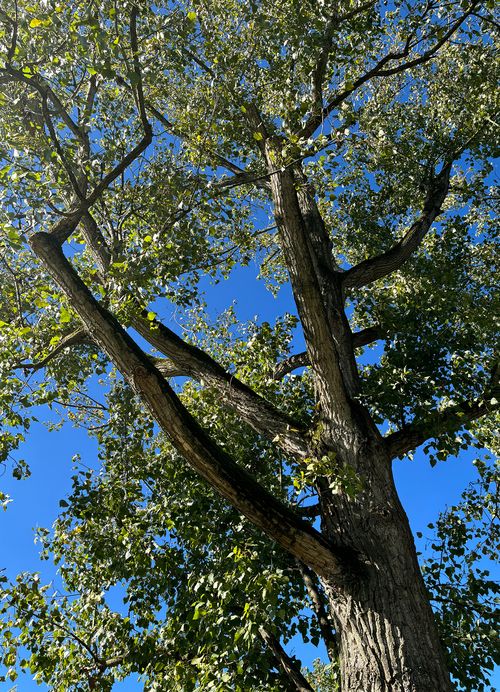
{"x":65,"y":315}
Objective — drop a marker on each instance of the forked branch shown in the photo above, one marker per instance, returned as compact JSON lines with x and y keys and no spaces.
{"x":209,"y":460}
{"x":301,"y":360}
{"x":383,"y":68}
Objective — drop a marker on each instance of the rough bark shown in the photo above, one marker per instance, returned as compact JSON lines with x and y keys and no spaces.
{"x":387,"y":637}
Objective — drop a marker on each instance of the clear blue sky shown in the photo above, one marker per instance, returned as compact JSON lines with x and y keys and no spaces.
{"x":424,"y":491}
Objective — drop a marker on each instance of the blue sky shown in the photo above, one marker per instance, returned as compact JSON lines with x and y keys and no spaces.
{"x":424,"y":491}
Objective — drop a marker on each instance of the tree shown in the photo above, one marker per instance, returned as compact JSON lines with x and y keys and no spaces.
{"x":345,"y":147}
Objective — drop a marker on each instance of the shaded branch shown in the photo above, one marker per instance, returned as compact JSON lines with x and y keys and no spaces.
{"x":449,"y":420}
{"x":377,"y":267}
{"x":318,"y":606}
{"x":289,"y":666}
{"x":309,"y":511}
{"x":79,"y":336}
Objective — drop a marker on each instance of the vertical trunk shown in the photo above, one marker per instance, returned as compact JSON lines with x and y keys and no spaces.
{"x":388,"y":640}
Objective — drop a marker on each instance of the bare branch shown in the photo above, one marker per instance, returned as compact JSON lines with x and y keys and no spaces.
{"x":377,"y":267}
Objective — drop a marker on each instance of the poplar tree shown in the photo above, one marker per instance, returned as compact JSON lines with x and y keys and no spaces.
{"x":345,"y":148}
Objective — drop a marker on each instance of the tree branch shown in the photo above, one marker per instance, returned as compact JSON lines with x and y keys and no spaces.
{"x":191,"y":361}
{"x":319,"y":609}
{"x":377,"y":267}
{"x":378,"y":71}
{"x":209,"y":460}
{"x":301,"y":360}
{"x":79,"y":336}
{"x":449,"y":420}
{"x":289,"y":666}
{"x":318,"y":74}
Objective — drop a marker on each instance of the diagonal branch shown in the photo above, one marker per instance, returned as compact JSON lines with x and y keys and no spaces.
{"x":79,"y":336}
{"x":10,"y":74}
{"x":191,"y":361}
{"x":67,"y":165}
{"x":449,"y":420}
{"x":318,"y":606}
{"x":377,"y":267}
{"x":209,"y":460}
{"x":290,"y":666}
{"x":380,"y":69}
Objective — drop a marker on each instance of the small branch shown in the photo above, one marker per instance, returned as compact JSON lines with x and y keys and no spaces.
{"x":449,"y":420}
{"x":137,"y":68}
{"x":68,"y":167}
{"x":13,"y":23}
{"x":89,"y":103}
{"x":309,"y":511}
{"x":425,"y":57}
{"x":122,"y":166}
{"x":37,"y":82}
{"x":301,"y":360}
{"x":289,"y":666}
{"x":96,"y":242}
{"x":380,"y":70}
{"x":80,"y":336}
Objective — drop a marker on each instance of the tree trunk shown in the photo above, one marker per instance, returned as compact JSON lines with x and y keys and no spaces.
{"x":388,"y":641}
